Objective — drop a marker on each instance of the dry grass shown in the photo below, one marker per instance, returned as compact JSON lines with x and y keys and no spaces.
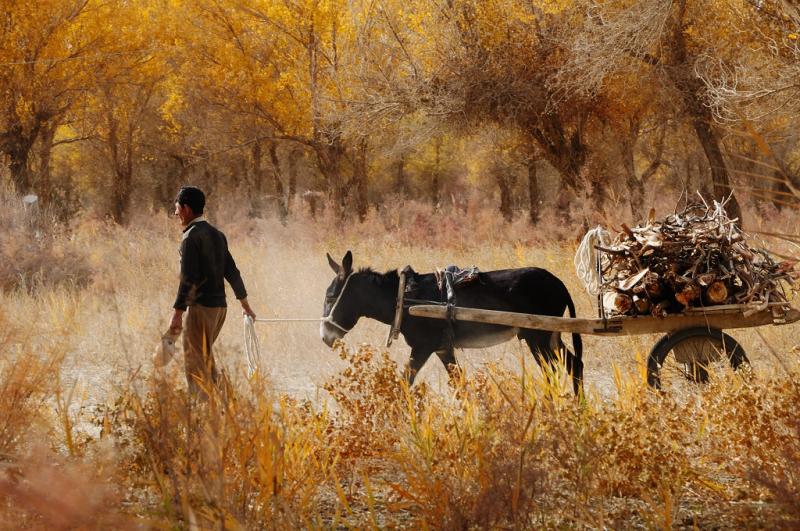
{"x":334,"y":438}
{"x":35,"y":250}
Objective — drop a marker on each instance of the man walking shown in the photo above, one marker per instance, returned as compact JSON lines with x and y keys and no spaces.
{"x":205,"y":262}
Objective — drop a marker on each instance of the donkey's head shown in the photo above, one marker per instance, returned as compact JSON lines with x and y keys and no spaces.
{"x":339,"y":314}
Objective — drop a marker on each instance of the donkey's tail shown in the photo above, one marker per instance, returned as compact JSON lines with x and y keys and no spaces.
{"x":577,"y":342}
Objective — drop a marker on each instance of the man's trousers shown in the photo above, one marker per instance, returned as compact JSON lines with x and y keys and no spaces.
{"x":201,"y":329}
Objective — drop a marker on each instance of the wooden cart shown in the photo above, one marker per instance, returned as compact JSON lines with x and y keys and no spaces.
{"x":695,"y":337}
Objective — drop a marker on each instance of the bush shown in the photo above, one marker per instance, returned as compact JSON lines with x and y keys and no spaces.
{"x":35,"y":250}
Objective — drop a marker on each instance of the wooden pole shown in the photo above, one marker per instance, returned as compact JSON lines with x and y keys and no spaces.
{"x":725,"y":318}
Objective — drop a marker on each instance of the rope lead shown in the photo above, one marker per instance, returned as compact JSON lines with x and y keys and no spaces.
{"x":251,"y":347}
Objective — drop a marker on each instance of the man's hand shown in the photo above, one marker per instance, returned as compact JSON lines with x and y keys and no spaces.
{"x":177,"y":322}
{"x":247,"y":310}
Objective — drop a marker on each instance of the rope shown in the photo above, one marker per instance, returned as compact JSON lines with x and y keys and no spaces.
{"x":586,"y":258}
{"x":251,"y":347}
{"x":259,"y":320}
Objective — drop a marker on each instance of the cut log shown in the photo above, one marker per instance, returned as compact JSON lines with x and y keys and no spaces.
{"x":661,"y":309}
{"x":617,"y":303}
{"x":716,"y":293}
{"x":652,"y":286}
{"x":623,"y":303}
{"x":642,"y":305}
{"x":689,"y":294}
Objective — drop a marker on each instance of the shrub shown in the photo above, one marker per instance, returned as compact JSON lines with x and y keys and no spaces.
{"x":36,"y":251}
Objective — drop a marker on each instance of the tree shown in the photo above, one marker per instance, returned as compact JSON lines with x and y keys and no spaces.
{"x":758,"y":96}
{"x":49,"y":53}
{"x":672,"y":44}
{"x":120,"y":110}
{"x":272,"y":67}
{"x":471,"y":62}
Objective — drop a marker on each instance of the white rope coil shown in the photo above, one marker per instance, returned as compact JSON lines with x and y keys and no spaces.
{"x":586,"y":258}
{"x":252,"y":348}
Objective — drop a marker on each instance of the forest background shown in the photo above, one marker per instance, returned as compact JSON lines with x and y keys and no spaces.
{"x":109,"y":106}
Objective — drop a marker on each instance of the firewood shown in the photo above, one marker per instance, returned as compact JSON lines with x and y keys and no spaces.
{"x":716,"y":293}
{"x":617,"y":303}
{"x":661,"y":309}
{"x":652,"y":286}
{"x":689,"y":294}
{"x":628,"y":283}
{"x":697,"y":253}
{"x":675,"y":282}
{"x":628,"y":231}
{"x":642,"y":305}
{"x":706,"y":279}
{"x":623,"y":303}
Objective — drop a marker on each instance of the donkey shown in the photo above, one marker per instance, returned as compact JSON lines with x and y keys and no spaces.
{"x":366,"y":293}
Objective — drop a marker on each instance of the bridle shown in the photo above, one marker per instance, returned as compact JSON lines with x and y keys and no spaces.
{"x":394,"y":329}
{"x":329,"y":319}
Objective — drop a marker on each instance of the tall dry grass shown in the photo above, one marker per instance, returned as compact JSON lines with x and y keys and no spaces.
{"x":91,"y":436}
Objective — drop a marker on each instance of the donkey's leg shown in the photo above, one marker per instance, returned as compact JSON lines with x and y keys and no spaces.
{"x":415,"y":362}
{"x":574,"y":367}
{"x":541,"y":346}
{"x":450,"y":363}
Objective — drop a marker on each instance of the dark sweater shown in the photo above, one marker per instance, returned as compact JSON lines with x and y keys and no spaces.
{"x":205,"y":262}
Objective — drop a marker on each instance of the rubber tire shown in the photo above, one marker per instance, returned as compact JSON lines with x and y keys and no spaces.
{"x":658,"y":354}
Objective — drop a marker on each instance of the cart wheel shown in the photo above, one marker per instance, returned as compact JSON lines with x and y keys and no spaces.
{"x":694,"y":351}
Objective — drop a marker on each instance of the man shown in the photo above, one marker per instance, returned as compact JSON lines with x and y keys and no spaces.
{"x":205,"y":262}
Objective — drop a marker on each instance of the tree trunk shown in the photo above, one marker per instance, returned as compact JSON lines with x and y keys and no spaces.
{"x":652,"y":168}
{"x":566,"y":155}
{"x":240,"y":173}
{"x":598,"y":179}
{"x":294,"y":157}
{"x":120,"y":196}
{"x":257,"y":189}
{"x":330,"y":155}
{"x":632,"y":183}
{"x":533,"y":192}
{"x":691,"y":89}
{"x":719,"y":171}
{"x":360,"y":180}
{"x":17,"y":145}
{"x":277,"y":182}
{"x":44,"y":186}
{"x":400,"y":184}
{"x":328,"y":147}
{"x":122,"y":167}
{"x":501,"y":177}
{"x":174,"y":178}
{"x":436,"y":183}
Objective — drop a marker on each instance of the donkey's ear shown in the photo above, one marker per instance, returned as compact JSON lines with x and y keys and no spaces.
{"x":336,"y":267}
{"x":347,"y":263}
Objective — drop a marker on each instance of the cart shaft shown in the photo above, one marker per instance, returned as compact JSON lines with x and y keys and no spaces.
{"x":616,"y":326}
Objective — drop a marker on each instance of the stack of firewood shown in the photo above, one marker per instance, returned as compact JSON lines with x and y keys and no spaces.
{"x":698,"y":257}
